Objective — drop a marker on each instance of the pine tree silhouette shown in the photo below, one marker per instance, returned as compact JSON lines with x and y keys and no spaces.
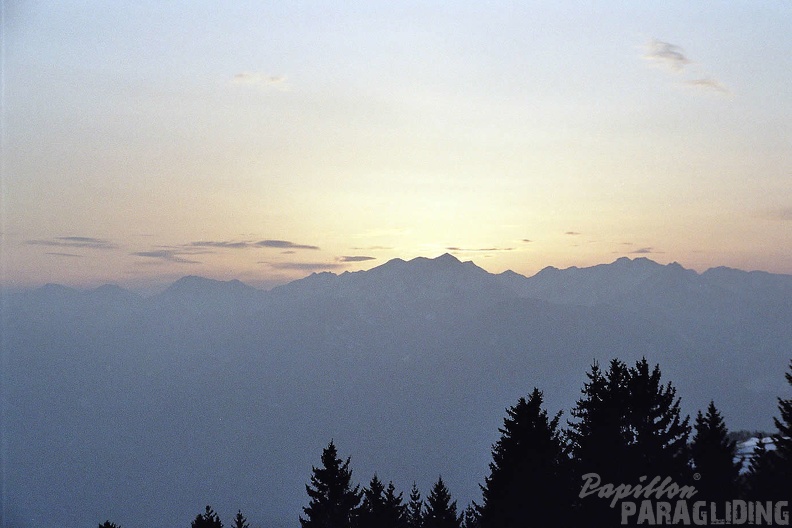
{"x":472,"y":519}
{"x":713,"y":458}
{"x":209,"y":519}
{"x":240,"y":521}
{"x":629,"y":425}
{"x":395,"y":509}
{"x":415,"y":509}
{"x":529,"y":481}
{"x":762,"y":476}
{"x":371,"y":513}
{"x":333,"y":501}
{"x":108,"y":524}
{"x":783,"y":443}
{"x":441,"y":512}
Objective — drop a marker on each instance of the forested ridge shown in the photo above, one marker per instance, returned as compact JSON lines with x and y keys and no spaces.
{"x":549,"y":470}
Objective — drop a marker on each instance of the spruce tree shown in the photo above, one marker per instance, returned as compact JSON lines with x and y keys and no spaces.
{"x":714,"y":458}
{"x":441,"y":511}
{"x":415,"y":509}
{"x":600,"y":437}
{"x":472,"y":519}
{"x":395,"y":509}
{"x":628,"y":425}
{"x":209,"y":519}
{"x":529,"y":481}
{"x":333,"y":501}
{"x":381,"y":507}
{"x":761,"y":480}
{"x":783,"y":444}
{"x":659,"y":443}
{"x":240,"y":521}
{"x":108,"y":524}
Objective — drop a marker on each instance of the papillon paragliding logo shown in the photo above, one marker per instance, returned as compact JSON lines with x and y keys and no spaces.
{"x":661,"y":501}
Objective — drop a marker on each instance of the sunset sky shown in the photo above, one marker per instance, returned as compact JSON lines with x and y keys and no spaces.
{"x":144,"y":141}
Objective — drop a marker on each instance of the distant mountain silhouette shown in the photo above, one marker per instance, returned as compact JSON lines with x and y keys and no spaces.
{"x":144,"y":409}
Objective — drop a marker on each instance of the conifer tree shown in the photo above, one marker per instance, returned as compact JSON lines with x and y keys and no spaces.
{"x":783,"y":443}
{"x":108,"y":524}
{"x":333,"y":501}
{"x":659,"y":443}
{"x":713,"y":458}
{"x":601,"y":434}
{"x":441,"y":511}
{"x":762,"y":473}
{"x":240,"y":521}
{"x":529,"y":482}
{"x":373,"y":512}
{"x":472,"y":519}
{"x":396,"y":510}
{"x":415,"y":509}
{"x":209,"y":519}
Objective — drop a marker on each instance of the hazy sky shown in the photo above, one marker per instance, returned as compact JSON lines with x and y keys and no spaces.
{"x":147,"y":140}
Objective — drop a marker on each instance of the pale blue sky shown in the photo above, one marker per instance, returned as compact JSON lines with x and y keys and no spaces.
{"x":138,"y":137}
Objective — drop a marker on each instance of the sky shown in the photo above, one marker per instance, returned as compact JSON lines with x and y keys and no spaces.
{"x":262,"y":141}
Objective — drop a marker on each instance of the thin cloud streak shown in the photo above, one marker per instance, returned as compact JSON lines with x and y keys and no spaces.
{"x":478,"y":250}
{"x":708,"y":83}
{"x":355,"y":258}
{"x":220,"y":244}
{"x":303,"y":266}
{"x":666,"y":54}
{"x":261,"y":80}
{"x":284,"y":244}
{"x":166,"y":255}
{"x":74,"y":242}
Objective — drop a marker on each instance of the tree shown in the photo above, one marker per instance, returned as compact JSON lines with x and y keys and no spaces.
{"x":628,"y":425}
{"x":441,"y":512}
{"x":762,"y":473}
{"x":395,"y":509}
{"x":659,"y":443}
{"x":415,"y":509}
{"x":381,"y":507}
{"x":770,"y":473}
{"x":209,"y":519}
{"x":783,"y":443}
{"x":601,"y":434}
{"x":108,"y":524}
{"x":713,"y":457}
{"x":529,"y":480}
{"x":472,"y":519}
{"x":240,"y":521}
{"x":333,"y":501}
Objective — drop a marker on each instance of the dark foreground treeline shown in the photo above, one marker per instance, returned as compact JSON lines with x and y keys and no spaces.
{"x":626,"y":430}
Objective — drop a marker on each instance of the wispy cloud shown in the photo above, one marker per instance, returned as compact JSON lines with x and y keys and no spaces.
{"x":220,"y":244}
{"x":355,"y":258}
{"x":75,"y":242}
{"x":56,"y":254}
{"x":708,"y":83}
{"x":262,"y":80}
{"x":476,"y":250}
{"x":372,"y":248}
{"x":666,"y":54}
{"x":572,"y":233}
{"x":166,"y":255}
{"x":673,"y":58}
{"x":527,"y":240}
{"x":643,"y":251}
{"x":304,"y":266}
{"x":284,"y":244}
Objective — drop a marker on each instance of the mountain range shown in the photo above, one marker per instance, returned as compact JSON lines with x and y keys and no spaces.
{"x":145,"y":409}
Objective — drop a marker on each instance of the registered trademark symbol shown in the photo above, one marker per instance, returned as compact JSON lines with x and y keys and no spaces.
{"x":696,"y":476}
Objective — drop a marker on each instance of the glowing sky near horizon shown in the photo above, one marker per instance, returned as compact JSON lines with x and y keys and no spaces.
{"x":148,"y":140}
